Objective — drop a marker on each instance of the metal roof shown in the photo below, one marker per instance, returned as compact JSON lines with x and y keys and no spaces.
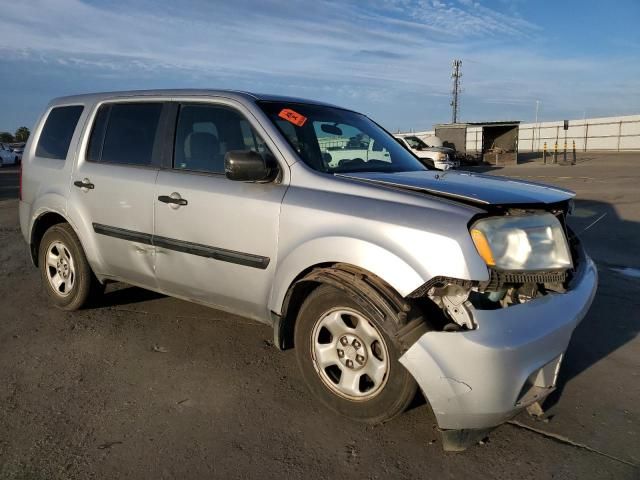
{"x":509,"y":123}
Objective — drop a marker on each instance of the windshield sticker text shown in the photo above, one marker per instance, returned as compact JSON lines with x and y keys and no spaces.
{"x":292,"y":116}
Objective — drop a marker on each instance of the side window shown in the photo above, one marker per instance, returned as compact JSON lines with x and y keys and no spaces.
{"x":289,"y":131}
{"x":205,"y":133}
{"x":299,"y":141}
{"x":248,"y":136}
{"x":94,"y":152}
{"x":57,"y":132}
{"x":125,"y":133}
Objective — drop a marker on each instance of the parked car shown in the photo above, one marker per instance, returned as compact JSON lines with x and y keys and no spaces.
{"x":7,"y":156}
{"x":17,"y":150}
{"x":386,"y":277}
{"x":438,"y":157}
{"x":357,"y":149}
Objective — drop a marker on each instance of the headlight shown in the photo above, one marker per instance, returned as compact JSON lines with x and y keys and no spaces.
{"x":441,"y":156}
{"x":532,"y":242}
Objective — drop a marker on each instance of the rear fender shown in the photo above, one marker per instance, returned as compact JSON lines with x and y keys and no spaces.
{"x":55,"y":203}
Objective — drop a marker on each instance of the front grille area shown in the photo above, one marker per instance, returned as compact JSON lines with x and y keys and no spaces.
{"x":497,"y":278}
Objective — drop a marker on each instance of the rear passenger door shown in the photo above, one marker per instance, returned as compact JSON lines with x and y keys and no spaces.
{"x":113,"y":185}
{"x":218,"y":244}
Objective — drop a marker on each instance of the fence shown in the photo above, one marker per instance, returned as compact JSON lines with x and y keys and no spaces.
{"x":617,"y":134}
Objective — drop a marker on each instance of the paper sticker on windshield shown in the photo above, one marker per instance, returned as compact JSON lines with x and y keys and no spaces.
{"x":292,"y":116}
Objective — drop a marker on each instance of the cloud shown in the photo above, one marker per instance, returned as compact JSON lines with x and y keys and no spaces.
{"x":381,"y":54}
{"x":455,"y":20}
{"x":390,"y":58}
{"x":296,"y":39}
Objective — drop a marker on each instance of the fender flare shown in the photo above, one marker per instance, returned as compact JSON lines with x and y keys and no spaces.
{"x":366,"y":289}
{"x":50,"y":203}
{"x":358,"y":270}
{"x":84,"y":236}
{"x":362,"y":254}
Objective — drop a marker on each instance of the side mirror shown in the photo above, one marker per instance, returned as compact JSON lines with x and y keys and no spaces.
{"x":249,"y":166}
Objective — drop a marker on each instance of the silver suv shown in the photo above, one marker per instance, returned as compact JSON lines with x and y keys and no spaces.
{"x":385,"y":276}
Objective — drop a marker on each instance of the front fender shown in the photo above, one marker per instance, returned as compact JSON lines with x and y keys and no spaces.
{"x":360,"y":253}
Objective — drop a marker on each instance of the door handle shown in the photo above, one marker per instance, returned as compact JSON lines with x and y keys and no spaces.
{"x":84,"y":184}
{"x":173,"y":200}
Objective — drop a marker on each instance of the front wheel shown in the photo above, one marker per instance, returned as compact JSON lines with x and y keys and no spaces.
{"x":65,"y":270}
{"x":348,"y":360}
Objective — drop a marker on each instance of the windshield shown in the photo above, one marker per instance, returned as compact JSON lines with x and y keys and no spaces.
{"x":333,"y":140}
{"x":415,"y":142}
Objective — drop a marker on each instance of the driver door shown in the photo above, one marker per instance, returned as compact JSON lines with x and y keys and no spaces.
{"x":217,"y":245}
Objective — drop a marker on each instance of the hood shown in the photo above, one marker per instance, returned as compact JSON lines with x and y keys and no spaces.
{"x":436,"y":149}
{"x":469,"y":187}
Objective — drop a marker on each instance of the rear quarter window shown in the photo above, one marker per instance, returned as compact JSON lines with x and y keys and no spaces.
{"x":57,"y":132}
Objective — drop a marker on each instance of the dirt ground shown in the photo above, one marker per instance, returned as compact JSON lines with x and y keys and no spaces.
{"x":146,"y":386}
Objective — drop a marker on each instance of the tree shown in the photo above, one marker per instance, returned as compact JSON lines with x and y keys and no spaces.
{"x":6,"y":137}
{"x":22,"y":134}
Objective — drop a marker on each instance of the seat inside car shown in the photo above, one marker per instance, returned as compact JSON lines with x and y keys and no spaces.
{"x":204,"y":149}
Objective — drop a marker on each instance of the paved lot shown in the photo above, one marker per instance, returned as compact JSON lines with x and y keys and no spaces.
{"x":145,"y":386}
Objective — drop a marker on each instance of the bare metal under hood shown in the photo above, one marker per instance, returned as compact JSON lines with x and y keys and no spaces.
{"x":469,"y":187}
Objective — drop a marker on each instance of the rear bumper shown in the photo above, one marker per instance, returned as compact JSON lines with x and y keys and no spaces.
{"x":481,"y":378}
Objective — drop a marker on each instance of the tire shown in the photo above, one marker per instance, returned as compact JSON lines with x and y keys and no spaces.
{"x":75,"y":281}
{"x":376,"y":398}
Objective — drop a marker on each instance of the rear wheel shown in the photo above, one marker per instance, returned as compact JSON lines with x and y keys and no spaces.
{"x":65,"y":271}
{"x":348,"y":360}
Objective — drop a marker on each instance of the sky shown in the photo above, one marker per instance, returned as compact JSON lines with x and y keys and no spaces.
{"x":390,"y":59}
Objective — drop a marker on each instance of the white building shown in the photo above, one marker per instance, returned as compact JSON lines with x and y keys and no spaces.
{"x":617,"y":134}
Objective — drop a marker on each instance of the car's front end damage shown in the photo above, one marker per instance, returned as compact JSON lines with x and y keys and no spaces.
{"x":492,"y":282}
{"x":477,"y":378}
{"x":499,"y":343}
{"x":494,"y":346}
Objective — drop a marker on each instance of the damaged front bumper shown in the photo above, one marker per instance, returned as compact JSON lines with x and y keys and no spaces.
{"x":480,"y":378}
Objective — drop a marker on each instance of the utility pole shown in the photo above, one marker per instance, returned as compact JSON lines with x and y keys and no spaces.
{"x":456,"y":74}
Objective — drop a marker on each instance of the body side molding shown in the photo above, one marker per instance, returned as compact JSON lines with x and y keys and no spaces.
{"x":222,"y":254}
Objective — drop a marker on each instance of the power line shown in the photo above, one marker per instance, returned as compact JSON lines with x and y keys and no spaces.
{"x":456,"y":74}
